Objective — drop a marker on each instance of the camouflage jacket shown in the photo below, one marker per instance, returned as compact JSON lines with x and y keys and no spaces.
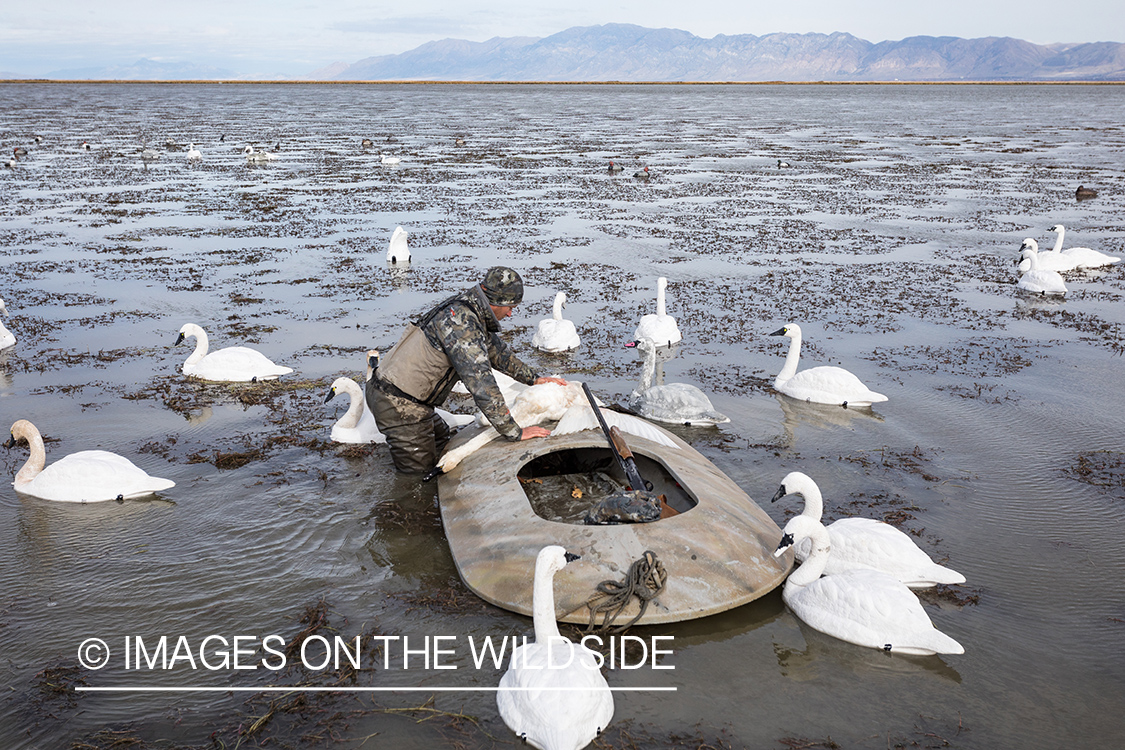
{"x":466,"y":330}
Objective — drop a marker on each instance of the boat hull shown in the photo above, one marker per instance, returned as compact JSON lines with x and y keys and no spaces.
{"x":718,"y":554}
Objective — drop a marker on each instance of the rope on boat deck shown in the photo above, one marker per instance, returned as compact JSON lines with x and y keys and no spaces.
{"x":645,"y":580}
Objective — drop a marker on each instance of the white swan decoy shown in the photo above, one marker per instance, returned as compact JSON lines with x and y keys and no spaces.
{"x":7,"y":338}
{"x":257,"y":157}
{"x":660,"y":327}
{"x":1038,"y":280}
{"x":674,"y":403}
{"x":193,"y":153}
{"x":357,"y":425}
{"x":1085,"y":257}
{"x":398,"y":251}
{"x":865,"y":543}
{"x":546,"y":402}
{"x":1049,"y":260}
{"x":553,"y":695}
{"x":389,"y":160}
{"x":821,"y":385}
{"x":83,"y":477}
{"x":864,"y":607}
{"x":554,"y":334}
{"x":234,"y":364}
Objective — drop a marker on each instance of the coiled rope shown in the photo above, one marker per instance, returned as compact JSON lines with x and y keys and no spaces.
{"x":645,"y":580}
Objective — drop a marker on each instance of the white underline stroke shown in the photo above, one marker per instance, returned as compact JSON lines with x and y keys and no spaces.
{"x":299,"y":689}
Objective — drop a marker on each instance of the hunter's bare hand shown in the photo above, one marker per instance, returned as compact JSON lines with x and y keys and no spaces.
{"x":534,"y":431}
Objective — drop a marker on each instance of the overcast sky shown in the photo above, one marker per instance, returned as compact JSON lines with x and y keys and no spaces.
{"x":295,"y":37}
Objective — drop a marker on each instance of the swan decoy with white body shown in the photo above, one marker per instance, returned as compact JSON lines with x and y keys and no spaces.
{"x":554,"y":334}
{"x":1036,"y":279}
{"x":388,"y":159}
{"x":864,"y":543}
{"x":864,"y":607}
{"x":826,"y":384}
{"x":357,"y":425}
{"x":1049,"y":260}
{"x":660,"y":327}
{"x":7,"y":338}
{"x":553,"y":695}
{"x":398,"y":251}
{"x":1084,"y":257}
{"x":83,"y":477}
{"x":193,"y":154}
{"x":233,"y":364}
{"x":674,"y":403}
{"x":257,"y":157}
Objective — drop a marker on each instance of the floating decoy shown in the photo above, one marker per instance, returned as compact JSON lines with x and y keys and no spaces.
{"x":238,"y":364}
{"x":1083,"y":193}
{"x":1036,"y":279}
{"x":674,"y":403}
{"x":614,"y":167}
{"x":398,"y":251}
{"x":865,"y":542}
{"x":1084,"y":257}
{"x":388,"y":159}
{"x":826,"y":384}
{"x":864,"y":607}
{"x":553,"y":695}
{"x":7,"y":338}
{"x":555,"y":334}
{"x":644,"y":174}
{"x":83,"y":477}
{"x":358,"y":424}
{"x":659,"y":326}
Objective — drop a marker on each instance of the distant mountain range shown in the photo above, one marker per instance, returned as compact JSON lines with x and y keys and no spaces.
{"x":625,"y":52}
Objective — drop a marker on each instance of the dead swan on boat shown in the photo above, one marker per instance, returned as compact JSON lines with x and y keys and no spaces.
{"x":546,"y":402}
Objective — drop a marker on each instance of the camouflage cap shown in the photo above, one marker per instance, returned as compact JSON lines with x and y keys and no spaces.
{"x":502,"y":286}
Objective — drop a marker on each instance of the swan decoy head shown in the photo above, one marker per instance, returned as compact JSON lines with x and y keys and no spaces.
{"x":1057,"y":228}
{"x":331,"y":394}
{"x":790,"y":330}
{"x":786,"y":542}
{"x":571,"y":557}
{"x":781,"y":492}
{"x":179,"y":339}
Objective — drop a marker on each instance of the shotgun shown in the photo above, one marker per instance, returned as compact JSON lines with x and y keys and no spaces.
{"x":617,"y":445}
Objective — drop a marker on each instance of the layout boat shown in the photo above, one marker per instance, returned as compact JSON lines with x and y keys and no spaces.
{"x":508,"y":500}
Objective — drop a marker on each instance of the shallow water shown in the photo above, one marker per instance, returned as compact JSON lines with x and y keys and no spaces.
{"x":891,"y":240}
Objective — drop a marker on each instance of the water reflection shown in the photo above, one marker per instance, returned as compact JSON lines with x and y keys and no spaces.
{"x":822,"y":653}
{"x":796,"y":413}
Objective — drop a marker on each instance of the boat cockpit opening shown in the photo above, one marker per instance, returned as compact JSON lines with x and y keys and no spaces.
{"x":564,"y":485}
